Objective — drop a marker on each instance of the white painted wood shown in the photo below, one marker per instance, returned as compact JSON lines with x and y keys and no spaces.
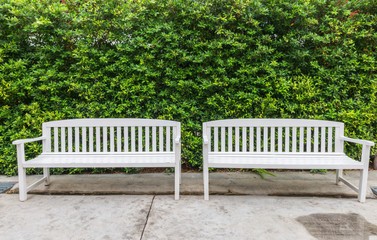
{"x":140,"y":138}
{"x":98,"y":139}
{"x":216,"y":140}
{"x":244,"y":143}
{"x":287,"y":142}
{"x":83,"y":129}
{"x":104,"y":155}
{"x":77,"y":139}
{"x":280,"y":139}
{"x":119,"y":139}
{"x":112,"y":144}
{"x":62,"y":139}
{"x":133,"y":139}
{"x":273,"y":144}
{"x":307,"y":155}
{"x":91,"y":142}
{"x":147,"y":139}
{"x":308,"y":139}
{"x":161,"y":139}
{"x":316,"y":139}
{"x":222,"y":139}
{"x":265,"y":139}
{"x":294,"y":139}
{"x":230,"y":139}
{"x":237,"y":139}
{"x":56,"y":140}
{"x":168,"y":139}
{"x":251,"y":139}
{"x":301,"y":144}
{"x":258,"y":139}
{"x":329,"y":139}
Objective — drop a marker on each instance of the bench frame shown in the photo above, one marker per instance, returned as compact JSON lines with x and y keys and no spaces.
{"x":80,"y":140}
{"x":278,"y":134}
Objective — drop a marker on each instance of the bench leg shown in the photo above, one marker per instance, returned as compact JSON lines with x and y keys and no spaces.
{"x":339,"y":174}
{"x":22,"y":188}
{"x":177,"y":174}
{"x":206,"y":182}
{"x":363,"y":185}
{"x":46,"y":174}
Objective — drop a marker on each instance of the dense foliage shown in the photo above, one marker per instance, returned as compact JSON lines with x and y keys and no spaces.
{"x":185,"y":60}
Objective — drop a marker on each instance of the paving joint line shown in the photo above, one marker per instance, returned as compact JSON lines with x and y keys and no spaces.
{"x":146,"y":221}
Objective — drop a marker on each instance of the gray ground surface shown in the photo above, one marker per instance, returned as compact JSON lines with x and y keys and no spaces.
{"x":292,"y":205}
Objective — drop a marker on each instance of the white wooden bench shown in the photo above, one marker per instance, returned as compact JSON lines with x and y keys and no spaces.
{"x":281,"y":144}
{"x":103,"y":143}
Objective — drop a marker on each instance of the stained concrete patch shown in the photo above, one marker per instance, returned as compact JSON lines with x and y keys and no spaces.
{"x":73,"y":217}
{"x":5,"y":186}
{"x":350,"y":226}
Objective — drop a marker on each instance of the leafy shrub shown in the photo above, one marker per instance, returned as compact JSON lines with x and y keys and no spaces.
{"x":185,"y":60}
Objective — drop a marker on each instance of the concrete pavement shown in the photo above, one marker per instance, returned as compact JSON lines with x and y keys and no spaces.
{"x":292,"y":205}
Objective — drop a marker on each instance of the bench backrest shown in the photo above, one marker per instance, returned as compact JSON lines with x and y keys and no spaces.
{"x":114,"y":135}
{"x":274,"y":136}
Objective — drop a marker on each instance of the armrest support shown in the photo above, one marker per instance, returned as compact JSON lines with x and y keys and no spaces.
{"x":358,"y":141}
{"x":205,"y":139}
{"x":28,"y":140}
{"x":177,"y":139}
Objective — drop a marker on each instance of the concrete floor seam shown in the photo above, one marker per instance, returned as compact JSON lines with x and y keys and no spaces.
{"x":146,"y":221}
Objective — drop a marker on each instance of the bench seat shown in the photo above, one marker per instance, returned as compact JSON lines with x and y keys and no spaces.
{"x":289,"y":161}
{"x":100,"y":160}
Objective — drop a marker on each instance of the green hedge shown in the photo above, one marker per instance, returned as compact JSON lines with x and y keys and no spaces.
{"x":185,"y":60}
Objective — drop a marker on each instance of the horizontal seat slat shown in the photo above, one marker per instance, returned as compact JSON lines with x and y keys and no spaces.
{"x":102,"y":160}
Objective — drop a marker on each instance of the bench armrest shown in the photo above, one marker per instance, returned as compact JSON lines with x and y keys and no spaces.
{"x":28,"y":140}
{"x":205,"y":139}
{"x":359,"y":141}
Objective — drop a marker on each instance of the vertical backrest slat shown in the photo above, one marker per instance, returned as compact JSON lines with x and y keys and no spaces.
{"x":251,"y":139}
{"x":265,"y":139}
{"x":147,"y":139}
{"x":216,"y":139}
{"x":329,"y":139}
{"x":56,"y":139}
{"x":83,"y":139}
{"x":316,"y":139}
{"x":237,"y":139}
{"x":161,"y":138}
{"x":272,"y":146}
{"x":112,"y":144}
{"x":168,"y":139}
{"x":69,"y":139}
{"x":154,"y":139}
{"x":46,"y":131}
{"x":91,"y":149}
{"x":98,"y":139}
{"x":258,"y":139}
{"x":62,"y":139}
{"x":126,"y":147}
{"x":77,"y":139}
{"x":133,"y":139}
{"x":294,"y":139}
{"x":280,"y":139}
{"x":222,"y":139}
{"x":104,"y":142}
{"x":230,"y":139}
{"x":209,"y":138}
{"x":119,"y":139}
{"x":323,"y":139}
{"x":308,"y":139}
{"x":140,"y":138}
{"x":339,"y":146}
{"x":301,"y":139}
{"x":244,"y":141}
{"x":287,"y":143}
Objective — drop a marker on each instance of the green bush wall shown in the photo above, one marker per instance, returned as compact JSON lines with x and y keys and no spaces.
{"x":185,"y":60}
